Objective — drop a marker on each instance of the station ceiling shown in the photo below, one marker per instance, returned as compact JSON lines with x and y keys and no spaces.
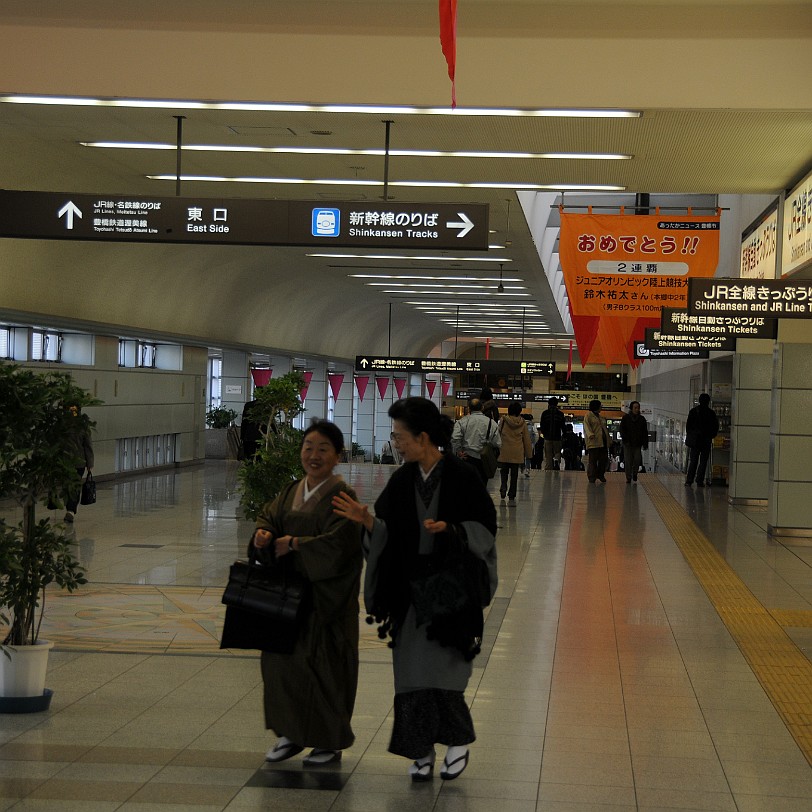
{"x":707,"y":121}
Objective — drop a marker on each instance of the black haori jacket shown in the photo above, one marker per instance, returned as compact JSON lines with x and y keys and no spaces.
{"x":462,"y":498}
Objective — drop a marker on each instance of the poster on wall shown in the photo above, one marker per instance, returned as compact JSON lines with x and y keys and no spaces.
{"x":759,"y":249}
{"x":796,"y":237}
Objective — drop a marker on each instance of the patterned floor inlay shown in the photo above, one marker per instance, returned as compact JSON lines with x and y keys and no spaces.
{"x":780,"y":666}
{"x":144,"y":619}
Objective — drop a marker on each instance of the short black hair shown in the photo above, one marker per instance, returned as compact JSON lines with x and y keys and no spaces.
{"x":486,"y":393}
{"x":330,"y":430}
{"x":552,"y":402}
{"x":514,"y":408}
{"x":704,"y":399}
{"x":594,"y":405}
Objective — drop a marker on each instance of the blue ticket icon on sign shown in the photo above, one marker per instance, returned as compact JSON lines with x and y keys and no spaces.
{"x":326,"y":222}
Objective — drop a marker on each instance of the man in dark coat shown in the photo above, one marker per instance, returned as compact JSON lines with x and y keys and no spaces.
{"x":552,"y":429}
{"x":700,"y":429}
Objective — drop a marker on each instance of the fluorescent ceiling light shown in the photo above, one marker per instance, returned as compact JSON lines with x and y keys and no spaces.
{"x":398,"y":153}
{"x":411,"y":184}
{"x":403,"y":256}
{"x":373,"y":109}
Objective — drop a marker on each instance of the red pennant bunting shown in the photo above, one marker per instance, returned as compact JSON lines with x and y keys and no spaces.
{"x":261,"y":376}
{"x":446,"y":388}
{"x":383,"y":385}
{"x":431,"y":386}
{"x":400,"y":385}
{"x":361,"y":383}
{"x":308,"y":376}
{"x":335,"y":379}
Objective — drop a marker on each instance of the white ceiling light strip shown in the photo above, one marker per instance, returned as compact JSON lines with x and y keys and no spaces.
{"x":287,"y":107}
{"x":399,"y":153}
{"x":411,"y":184}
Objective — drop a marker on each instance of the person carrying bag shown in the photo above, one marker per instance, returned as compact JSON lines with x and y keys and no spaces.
{"x":476,"y":440}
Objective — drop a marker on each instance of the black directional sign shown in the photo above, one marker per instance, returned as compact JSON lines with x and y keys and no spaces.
{"x":765,"y":298}
{"x":127,"y":218}
{"x":451,"y":366}
{"x":643,"y":352}
{"x":730,"y":327}
{"x":663,"y":341}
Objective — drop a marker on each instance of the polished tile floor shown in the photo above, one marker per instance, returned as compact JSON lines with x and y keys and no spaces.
{"x":648,"y":649}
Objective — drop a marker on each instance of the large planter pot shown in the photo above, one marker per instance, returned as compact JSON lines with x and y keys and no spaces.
{"x":22,"y":677}
{"x":222,"y":444}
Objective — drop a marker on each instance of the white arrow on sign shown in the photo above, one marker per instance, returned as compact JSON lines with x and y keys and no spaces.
{"x":364,"y":363}
{"x":466,"y":225}
{"x":69,"y":210}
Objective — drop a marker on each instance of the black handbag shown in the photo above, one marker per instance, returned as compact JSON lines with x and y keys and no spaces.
{"x":265,"y":606}
{"x":88,"y":495}
{"x":489,"y":456}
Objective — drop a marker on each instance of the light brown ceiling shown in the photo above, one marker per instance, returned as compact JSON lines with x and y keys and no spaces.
{"x":696,"y":135}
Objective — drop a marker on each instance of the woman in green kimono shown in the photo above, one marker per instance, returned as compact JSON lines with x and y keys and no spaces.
{"x":431,"y":567}
{"x":310,"y":693}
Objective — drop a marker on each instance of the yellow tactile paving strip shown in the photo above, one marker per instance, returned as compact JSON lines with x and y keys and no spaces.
{"x":778,"y":664}
{"x":145,"y":619}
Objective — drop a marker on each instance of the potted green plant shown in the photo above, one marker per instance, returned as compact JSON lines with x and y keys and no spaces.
{"x":220,"y":418}
{"x":277,"y":461}
{"x":37,"y":441}
{"x":220,"y":423}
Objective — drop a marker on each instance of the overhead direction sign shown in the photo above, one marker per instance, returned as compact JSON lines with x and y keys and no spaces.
{"x":451,"y":366}
{"x":664,"y":341}
{"x":128,"y":218}
{"x":726,"y":329}
{"x":765,"y":298}
{"x":644,"y":352}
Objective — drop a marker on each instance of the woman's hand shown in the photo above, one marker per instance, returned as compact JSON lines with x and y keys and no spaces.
{"x":284,"y":545}
{"x":434,"y":526}
{"x":348,"y":508}
{"x":262,"y":538}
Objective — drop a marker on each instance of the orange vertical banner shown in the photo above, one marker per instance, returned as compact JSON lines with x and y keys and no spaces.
{"x":623,"y":269}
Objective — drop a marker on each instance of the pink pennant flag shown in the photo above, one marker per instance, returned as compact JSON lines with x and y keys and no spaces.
{"x":383,"y":385}
{"x":431,"y":386}
{"x":361,"y":382}
{"x":335,"y":379}
{"x":261,"y":376}
{"x":308,"y":376}
{"x":446,"y":388}
{"x":400,"y":385}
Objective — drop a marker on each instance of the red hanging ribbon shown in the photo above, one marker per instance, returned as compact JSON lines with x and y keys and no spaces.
{"x":448,"y":42}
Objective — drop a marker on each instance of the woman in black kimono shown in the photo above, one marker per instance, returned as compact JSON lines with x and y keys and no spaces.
{"x":310,"y":693}
{"x":431,"y":568}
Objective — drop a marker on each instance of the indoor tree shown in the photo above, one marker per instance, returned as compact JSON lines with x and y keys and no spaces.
{"x":277,"y":460}
{"x":37,"y":433}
